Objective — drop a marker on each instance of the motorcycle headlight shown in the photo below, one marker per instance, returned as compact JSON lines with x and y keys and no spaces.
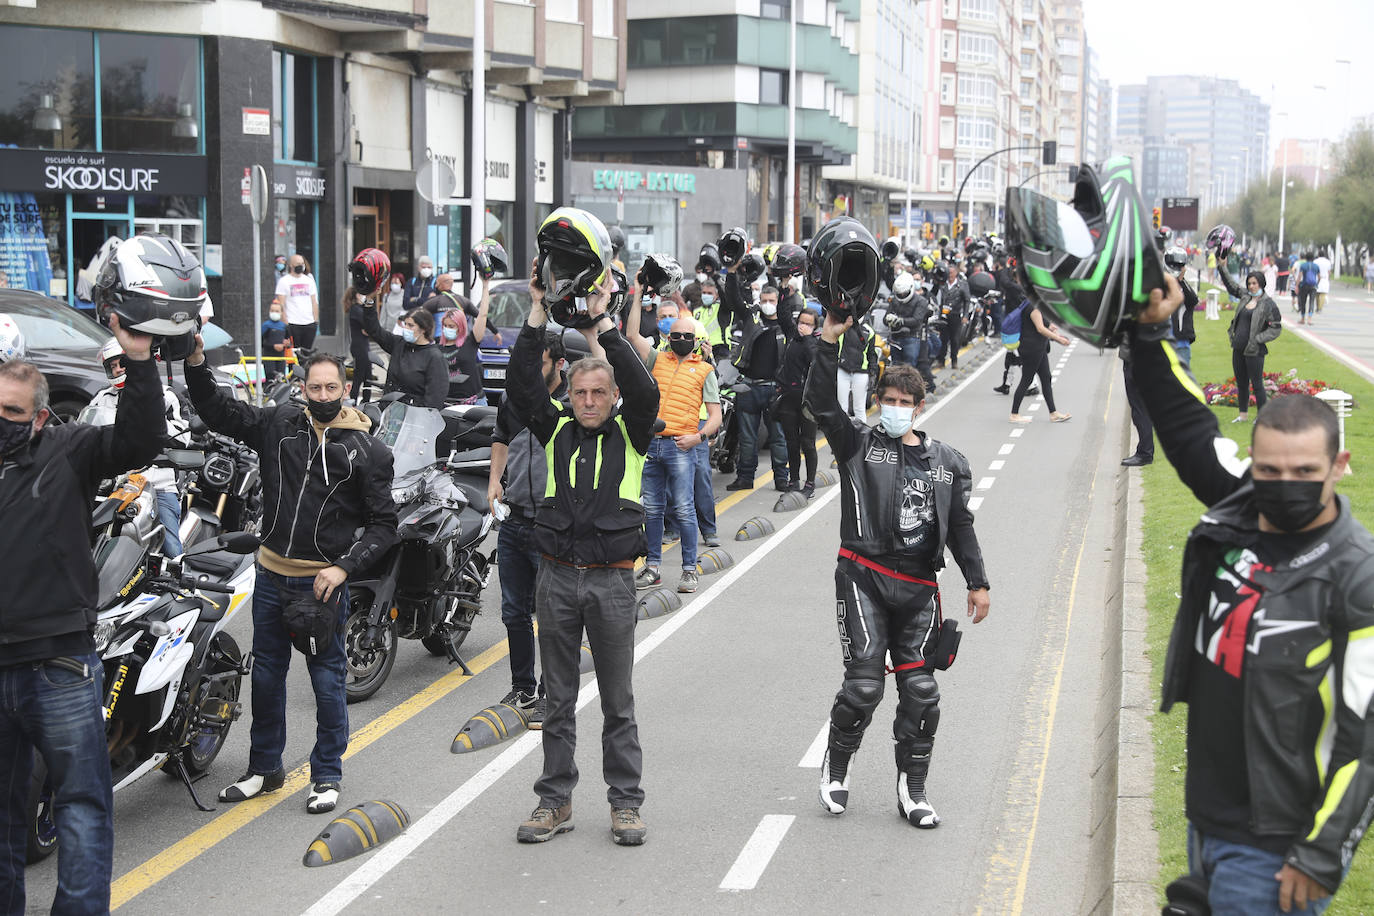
{"x":104,"y":632}
{"x":404,"y":494}
{"x":218,"y":470}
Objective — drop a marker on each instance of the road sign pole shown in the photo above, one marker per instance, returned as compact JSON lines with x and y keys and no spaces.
{"x":257,"y":209}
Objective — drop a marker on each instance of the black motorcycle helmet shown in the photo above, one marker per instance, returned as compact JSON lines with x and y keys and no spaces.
{"x":843,"y":266}
{"x":891,"y":248}
{"x":1090,"y":262}
{"x":751,"y":267}
{"x":938,"y":273}
{"x":617,"y":237}
{"x":1162,"y":236}
{"x":944,"y":241}
{"x":708,"y":261}
{"x":788,"y":261}
{"x":732,"y":246}
{"x":574,"y":258}
{"x":980,"y":284}
{"x":662,"y":274}
{"x":913,"y":257}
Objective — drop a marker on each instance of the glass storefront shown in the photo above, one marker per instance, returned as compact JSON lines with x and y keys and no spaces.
{"x":650,"y":224}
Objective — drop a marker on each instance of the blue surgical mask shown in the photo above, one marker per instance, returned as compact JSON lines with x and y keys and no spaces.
{"x":407,"y":335}
{"x":665,"y":325}
{"x":896,"y":421}
{"x":708,"y":299}
{"x":450,"y":333}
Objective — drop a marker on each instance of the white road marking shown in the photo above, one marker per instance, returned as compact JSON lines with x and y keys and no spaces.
{"x":816,"y":752}
{"x":1035,"y":405}
{"x":757,"y":853}
{"x":974,"y":503}
{"x":986,"y":483}
{"x":1018,"y":432}
{"x":997,"y":465}
{"x":1007,"y":447}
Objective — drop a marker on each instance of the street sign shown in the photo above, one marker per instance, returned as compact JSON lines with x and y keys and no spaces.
{"x":257,"y":194}
{"x":436,"y":181}
{"x":1180,"y":213}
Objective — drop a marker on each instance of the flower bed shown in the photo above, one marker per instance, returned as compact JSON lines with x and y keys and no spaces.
{"x":1223,"y":394}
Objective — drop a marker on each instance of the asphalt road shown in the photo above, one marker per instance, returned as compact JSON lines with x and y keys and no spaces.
{"x":732,"y":692}
{"x":1344,"y":329}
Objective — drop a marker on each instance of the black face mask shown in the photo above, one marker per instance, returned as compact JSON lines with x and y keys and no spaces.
{"x":324,"y":411}
{"x":298,"y":269}
{"x":682,"y":347}
{"x":1289,"y":505}
{"x":14,"y":435}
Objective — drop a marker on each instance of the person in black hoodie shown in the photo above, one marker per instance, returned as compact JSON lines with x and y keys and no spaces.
{"x":758,"y":359}
{"x":798,"y":428}
{"x":324,"y":479}
{"x":50,"y":674}
{"x":417,"y":368}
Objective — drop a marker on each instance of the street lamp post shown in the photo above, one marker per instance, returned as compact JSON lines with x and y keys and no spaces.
{"x":1345,"y":123}
{"x":790,"y":211}
{"x":1320,"y":141}
{"x":1283,"y":185}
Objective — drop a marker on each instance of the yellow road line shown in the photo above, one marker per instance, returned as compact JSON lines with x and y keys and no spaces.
{"x":139,"y":879}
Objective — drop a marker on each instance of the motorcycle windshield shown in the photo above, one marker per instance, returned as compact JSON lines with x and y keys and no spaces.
{"x":410,"y":432}
{"x":120,"y":562}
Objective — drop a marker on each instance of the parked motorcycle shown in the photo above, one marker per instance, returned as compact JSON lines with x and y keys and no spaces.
{"x":429,"y":586}
{"x":172,"y":675}
{"x":227,"y":492}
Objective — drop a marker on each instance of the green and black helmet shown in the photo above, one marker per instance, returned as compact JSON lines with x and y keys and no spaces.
{"x":842,"y":265}
{"x":1090,"y":262}
{"x":574,"y":259}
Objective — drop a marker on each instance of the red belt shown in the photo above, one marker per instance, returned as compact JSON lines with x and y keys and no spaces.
{"x":879,"y":568}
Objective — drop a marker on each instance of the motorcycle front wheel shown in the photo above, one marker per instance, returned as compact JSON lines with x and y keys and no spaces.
{"x":206,"y":745}
{"x":368,"y":668}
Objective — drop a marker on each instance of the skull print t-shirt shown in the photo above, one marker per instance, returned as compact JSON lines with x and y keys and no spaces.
{"x":918,"y":529}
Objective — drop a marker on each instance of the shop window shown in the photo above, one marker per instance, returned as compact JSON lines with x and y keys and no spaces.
{"x":47,"y":93}
{"x":33,"y":243}
{"x":293,"y":109}
{"x":149,"y":93}
{"x":176,"y":217}
{"x":294,"y":228}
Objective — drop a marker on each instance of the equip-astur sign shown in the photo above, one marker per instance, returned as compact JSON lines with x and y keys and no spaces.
{"x":630,"y":180}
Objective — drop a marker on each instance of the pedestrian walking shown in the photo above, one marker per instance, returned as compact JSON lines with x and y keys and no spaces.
{"x":1257,"y":321}
{"x":1034,"y":353}
{"x":1309,"y":277}
{"x":1323,"y":279}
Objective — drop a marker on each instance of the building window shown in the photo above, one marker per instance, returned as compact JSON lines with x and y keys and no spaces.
{"x":561,"y":10}
{"x":1027,"y":60}
{"x":149,"y":92}
{"x":976,"y":48}
{"x":975,"y":89}
{"x":690,"y":40}
{"x":951,"y":9}
{"x":946,"y":133}
{"x":946,"y":175}
{"x":52,"y":65}
{"x":978,"y":133}
{"x":983,"y":10}
{"x":946,"y":88}
{"x":293,"y":111}
{"x":947,"y":45}
{"x":775,"y":9}
{"x":772,"y":87}
{"x":981,"y":180}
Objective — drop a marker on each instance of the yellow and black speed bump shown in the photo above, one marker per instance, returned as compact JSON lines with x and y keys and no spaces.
{"x":355,"y":831}
{"x":825,"y":479}
{"x":713,"y":561}
{"x":756,"y":527}
{"x":790,"y":501}
{"x":490,"y":726}
{"x":658,"y":602}
{"x":586,"y":666}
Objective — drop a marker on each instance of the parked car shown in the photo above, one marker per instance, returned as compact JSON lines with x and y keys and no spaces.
{"x":65,"y":346}
{"x":510,"y":306}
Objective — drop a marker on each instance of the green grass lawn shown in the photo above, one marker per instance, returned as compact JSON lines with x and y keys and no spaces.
{"x":1170,"y":513}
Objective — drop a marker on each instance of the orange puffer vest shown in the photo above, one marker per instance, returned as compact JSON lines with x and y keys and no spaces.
{"x":680,"y":383}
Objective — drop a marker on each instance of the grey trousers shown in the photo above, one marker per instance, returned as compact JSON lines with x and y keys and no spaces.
{"x":602,"y":601}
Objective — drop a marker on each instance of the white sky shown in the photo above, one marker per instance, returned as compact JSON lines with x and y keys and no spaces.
{"x":1277,"y":49}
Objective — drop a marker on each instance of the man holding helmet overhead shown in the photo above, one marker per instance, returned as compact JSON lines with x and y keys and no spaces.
{"x":589,"y":526}
{"x":905,"y":498}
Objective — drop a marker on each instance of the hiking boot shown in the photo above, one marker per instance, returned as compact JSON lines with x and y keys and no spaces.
{"x":323,"y":797}
{"x":627,"y":827}
{"x":835,"y":780}
{"x":251,"y":785}
{"x":780,"y":483}
{"x":648,"y":578}
{"x":688,"y":583}
{"x":545,"y":824}
{"x":711,"y":540}
{"x":739,"y":483}
{"x":912,"y":804}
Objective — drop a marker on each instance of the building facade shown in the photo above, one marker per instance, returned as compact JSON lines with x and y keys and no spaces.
{"x":342,"y":104}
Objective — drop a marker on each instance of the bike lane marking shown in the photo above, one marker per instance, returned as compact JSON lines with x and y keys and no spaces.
{"x":1348,"y":359}
{"x":757,"y":853}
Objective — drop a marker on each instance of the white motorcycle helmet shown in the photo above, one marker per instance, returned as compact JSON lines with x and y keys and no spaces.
{"x":903,"y":287}
{"x":11,"y":340}
{"x":110,"y":353}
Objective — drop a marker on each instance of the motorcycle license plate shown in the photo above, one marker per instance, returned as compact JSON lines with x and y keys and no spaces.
{"x":494,"y":373}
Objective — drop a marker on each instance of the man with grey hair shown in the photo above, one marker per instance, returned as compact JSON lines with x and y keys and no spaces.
{"x":589,"y":530}
{"x":421,"y":286}
{"x":50,"y":674}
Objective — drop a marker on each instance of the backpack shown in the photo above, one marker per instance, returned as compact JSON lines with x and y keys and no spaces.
{"x":1311,"y":273}
{"x":1011,"y":325}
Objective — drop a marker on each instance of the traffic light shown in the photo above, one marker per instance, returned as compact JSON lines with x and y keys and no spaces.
{"x":1049,"y":152}
{"x":958,"y":228}
{"x":1158,"y":218}
{"x":927,"y":231}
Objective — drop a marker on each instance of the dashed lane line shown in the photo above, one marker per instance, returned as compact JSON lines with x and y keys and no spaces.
{"x":975,"y":503}
{"x":986,"y":483}
{"x":1017,"y":433}
{"x":757,"y":853}
{"x":997,"y":465}
{"x":1008,"y":446}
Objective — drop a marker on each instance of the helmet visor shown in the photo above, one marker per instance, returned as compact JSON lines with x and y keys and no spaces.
{"x":1051,"y":225}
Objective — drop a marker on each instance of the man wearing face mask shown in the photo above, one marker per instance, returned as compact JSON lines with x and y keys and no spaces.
{"x":905,"y":499}
{"x":327,"y":488}
{"x":1271,"y":646}
{"x":760,"y":355}
{"x":711,"y":315}
{"x":421,"y":287}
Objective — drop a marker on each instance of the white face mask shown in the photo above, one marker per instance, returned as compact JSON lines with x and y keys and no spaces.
{"x":701,"y":277}
{"x":426,"y":272}
{"x":896,"y":421}
{"x":395,"y":287}
{"x":768,"y":308}
{"x":275,"y":316}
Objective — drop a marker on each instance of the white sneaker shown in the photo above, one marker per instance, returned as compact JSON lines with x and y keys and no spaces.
{"x":834,"y":792}
{"x":916,"y":810}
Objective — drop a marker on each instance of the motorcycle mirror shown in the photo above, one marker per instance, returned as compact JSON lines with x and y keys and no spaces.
{"x":185,"y":459}
{"x":240,"y":542}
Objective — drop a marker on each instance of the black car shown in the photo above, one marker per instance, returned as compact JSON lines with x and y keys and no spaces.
{"x":510,"y":306}
{"x":65,"y":346}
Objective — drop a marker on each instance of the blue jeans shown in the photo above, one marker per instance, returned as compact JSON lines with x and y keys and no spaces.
{"x":517,"y":562}
{"x":58,"y":712}
{"x":1185,"y":351}
{"x":752,"y":405}
{"x":1240,"y":878}
{"x":670,"y":474}
{"x":169,"y":516}
{"x":272,"y":658}
{"x":904,"y":350}
{"x":705,"y":495}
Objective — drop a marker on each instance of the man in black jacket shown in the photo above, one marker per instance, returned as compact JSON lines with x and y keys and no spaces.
{"x":951,"y":300}
{"x":589,"y":530}
{"x":324,"y":479}
{"x":50,"y":673}
{"x":905,"y":498}
{"x":421,"y":287}
{"x":1273,"y":643}
{"x":759,"y":356}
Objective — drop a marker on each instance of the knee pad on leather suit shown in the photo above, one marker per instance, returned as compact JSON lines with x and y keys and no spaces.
{"x":858,"y":696}
{"x":918,"y":716}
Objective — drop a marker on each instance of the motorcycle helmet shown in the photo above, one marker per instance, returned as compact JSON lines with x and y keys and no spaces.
{"x":944,"y":241}
{"x":662,"y":274}
{"x":489,"y":258}
{"x":1175,"y":258}
{"x":574,"y":258}
{"x":732,"y":246}
{"x":768,"y":251}
{"x":938,"y":272}
{"x":980,"y":284}
{"x":112,"y":352}
{"x":843,"y":267}
{"x":788,"y":261}
{"x":903,"y":287}
{"x":621,"y":294}
{"x":370,"y":269}
{"x":1162,"y":236}
{"x":12,"y":340}
{"x":617,"y":237}
{"x":1090,"y":262}
{"x":751,"y":267}
{"x":153,"y":284}
{"x":708,"y":261}
{"x":1221,"y":239}
{"x":927,"y":263}
{"x":891,"y":248}
{"x":913,"y":257}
